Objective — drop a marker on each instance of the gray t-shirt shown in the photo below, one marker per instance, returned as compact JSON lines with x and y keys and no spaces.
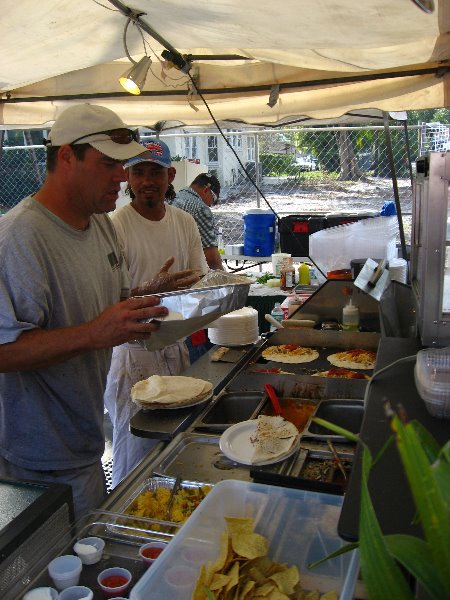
{"x":51,"y":276}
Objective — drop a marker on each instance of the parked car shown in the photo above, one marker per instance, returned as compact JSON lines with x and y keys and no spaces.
{"x":306,"y":163}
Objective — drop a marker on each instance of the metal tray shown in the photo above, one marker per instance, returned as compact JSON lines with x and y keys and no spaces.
{"x":295,"y":476}
{"x":156,"y":525}
{"x":343,"y":412}
{"x":121,"y":550}
{"x":230,"y":408}
{"x":198,"y":457}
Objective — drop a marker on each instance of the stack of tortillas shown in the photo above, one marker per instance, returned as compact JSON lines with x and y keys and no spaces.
{"x":170,"y":391}
{"x":274,"y":437}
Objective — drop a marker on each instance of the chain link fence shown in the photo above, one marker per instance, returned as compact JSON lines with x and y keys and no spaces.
{"x":293,"y":170}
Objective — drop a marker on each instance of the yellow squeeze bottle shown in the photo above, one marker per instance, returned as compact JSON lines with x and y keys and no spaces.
{"x":303,"y":274}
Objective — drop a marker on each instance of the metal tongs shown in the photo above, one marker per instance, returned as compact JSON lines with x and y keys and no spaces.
{"x":173,"y":491}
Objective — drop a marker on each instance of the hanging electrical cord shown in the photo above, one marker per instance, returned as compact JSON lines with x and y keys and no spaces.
{"x":255,"y":185}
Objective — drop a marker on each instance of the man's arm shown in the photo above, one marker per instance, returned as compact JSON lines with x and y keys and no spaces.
{"x":213,"y":258}
{"x":117,"y":324}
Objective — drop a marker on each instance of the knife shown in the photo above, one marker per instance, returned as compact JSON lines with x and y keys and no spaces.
{"x":173,"y":491}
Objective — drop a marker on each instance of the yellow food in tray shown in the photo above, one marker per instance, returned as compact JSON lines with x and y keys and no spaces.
{"x":152,"y":504}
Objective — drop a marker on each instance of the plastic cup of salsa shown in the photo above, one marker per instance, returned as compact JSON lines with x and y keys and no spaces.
{"x":114,"y":581}
{"x":150,"y":552}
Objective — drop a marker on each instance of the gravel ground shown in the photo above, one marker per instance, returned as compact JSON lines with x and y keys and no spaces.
{"x":316,"y":198}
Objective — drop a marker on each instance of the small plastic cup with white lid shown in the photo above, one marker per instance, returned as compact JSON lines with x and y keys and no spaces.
{"x":65,"y":571}
{"x":76,"y":592}
{"x":89,"y":549}
{"x":41,"y":593}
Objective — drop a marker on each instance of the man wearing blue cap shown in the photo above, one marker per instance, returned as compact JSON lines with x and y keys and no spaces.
{"x":151,"y":233}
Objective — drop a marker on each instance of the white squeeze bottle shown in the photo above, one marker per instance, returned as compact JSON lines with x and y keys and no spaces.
{"x":350,"y":317}
{"x":278,"y":314}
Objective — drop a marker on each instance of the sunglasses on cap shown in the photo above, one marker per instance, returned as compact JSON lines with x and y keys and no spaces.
{"x":118,"y":136}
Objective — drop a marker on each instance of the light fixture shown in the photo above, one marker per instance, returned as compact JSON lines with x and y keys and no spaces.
{"x":133,"y":80}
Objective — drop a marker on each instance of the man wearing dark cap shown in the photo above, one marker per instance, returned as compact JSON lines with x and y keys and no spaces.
{"x":151,"y":233}
{"x":197,"y":199}
{"x":62,"y":277}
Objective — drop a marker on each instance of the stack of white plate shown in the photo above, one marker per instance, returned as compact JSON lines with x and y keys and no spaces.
{"x":237,"y":328}
{"x":398,"y":269}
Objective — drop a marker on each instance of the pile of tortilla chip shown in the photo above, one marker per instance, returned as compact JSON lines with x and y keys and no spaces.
{"x":243,"y":571}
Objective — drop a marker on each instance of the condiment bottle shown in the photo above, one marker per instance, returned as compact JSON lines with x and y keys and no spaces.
{"x":287,"y":275}
{"x":303,"y":274}
{"x":278,"y":314}
{"x":350,"y":317}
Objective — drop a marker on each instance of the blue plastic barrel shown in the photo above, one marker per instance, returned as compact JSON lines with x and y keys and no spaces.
{"x":259,"y":233}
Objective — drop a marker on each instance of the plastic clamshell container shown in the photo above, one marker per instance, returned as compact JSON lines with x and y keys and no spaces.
{"x":300,"y":526}
{"x":432,"y":377}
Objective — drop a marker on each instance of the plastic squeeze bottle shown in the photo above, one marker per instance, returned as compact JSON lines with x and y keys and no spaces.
{"x":303,"y":274}
{"x":350,"y":317}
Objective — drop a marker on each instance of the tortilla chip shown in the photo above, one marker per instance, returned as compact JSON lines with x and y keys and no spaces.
{"x":199,"y":592}
{"x":314,"y":595}
{"x":247,"y":588}
{"x":286,"y":580}
{"x":250,"y":545}
{"x":240,"y":525}
{"x":329,"y":596}
{"x":233,"y":575}
{"x":219,"y":581}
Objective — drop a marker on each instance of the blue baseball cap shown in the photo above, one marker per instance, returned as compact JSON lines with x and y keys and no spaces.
{"x":156,"y":151}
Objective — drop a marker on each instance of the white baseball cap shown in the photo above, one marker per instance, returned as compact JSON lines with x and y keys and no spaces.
{"x":98,"y":126}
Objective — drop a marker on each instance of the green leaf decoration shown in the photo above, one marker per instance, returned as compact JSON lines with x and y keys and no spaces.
{"x":381,"y":573}
{"x":427,"y":468}
{"x":413,"y":553}
{"x":336,"y":429}
{"x":432,"y":507}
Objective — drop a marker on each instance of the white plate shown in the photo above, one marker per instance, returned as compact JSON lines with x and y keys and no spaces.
{"x":145,"y":406}
{"x":235,"y":443}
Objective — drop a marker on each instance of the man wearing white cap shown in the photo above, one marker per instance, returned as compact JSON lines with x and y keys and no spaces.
{"x":61,"y":281}
{"x":150,"y":231}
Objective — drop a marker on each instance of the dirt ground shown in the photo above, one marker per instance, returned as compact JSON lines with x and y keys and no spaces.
{"x":314,"y":198}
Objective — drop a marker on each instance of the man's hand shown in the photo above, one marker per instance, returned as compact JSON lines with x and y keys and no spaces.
{"x":122,"y":322}
{"x":168,"y":282}
{"x":117,"y":324}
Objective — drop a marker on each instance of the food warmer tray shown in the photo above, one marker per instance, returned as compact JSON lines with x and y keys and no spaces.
{"x":198,"y":457}
{"x":156,"y":528}
{"x":325,"y":342}
{"x":121,"y":550}
{"x":230,"y":408}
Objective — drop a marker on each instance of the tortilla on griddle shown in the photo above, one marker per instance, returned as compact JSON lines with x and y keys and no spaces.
{"x":290,"y":353}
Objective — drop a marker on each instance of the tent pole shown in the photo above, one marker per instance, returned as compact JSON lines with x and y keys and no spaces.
{"x":408,"y":151}
{"x":390,"y":154}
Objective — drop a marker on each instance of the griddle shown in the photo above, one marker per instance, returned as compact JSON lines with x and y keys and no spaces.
{"x":325,"y":342}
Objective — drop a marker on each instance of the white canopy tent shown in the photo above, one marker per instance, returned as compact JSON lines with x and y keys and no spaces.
{"x":328,"y":57}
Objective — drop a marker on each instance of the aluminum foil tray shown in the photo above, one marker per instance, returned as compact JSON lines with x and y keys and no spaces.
{"x":193,"y":309}
{"x":155,"y":524}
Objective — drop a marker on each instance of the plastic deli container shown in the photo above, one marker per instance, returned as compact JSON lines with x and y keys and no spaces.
{"x":432,"y":377}
{"x":300,"y":526}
